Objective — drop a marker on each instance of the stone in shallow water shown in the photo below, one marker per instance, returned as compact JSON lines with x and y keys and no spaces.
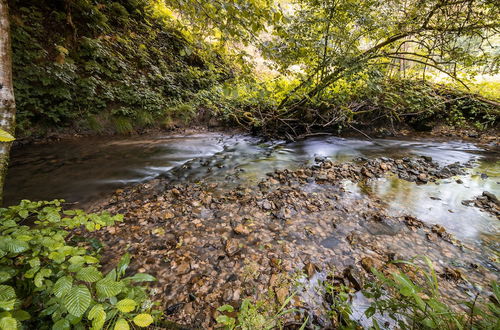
{"x":380,"y":228}
{"x":330,"y":242}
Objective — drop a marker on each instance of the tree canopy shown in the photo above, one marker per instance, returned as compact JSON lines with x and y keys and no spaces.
{"x":332,"y":38}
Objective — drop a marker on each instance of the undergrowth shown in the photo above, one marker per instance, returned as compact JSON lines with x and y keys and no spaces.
{"x":49,"y":278}
{"x":115,"y":65}
{"x":364,"y":102}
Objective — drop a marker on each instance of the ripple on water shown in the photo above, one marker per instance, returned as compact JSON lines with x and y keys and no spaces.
{"x":84,"y":170}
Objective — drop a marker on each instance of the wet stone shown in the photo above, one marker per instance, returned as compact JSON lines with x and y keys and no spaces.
{"x":287,"y":227}
{"x":232,"y":247}
{"x":330,"y":242}
{"x":241,"y":230}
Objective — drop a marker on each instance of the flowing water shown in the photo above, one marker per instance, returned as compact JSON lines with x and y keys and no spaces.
{"x":86,"y":171}
{"x":83,"y":171}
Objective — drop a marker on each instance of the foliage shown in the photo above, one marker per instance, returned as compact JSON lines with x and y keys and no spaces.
{"x":417,"y":303}
{"x":332,"y":39}
{"x":126,"y":64}
{"x":251,"y":315}
{"x":365,"y":100}
{"x":110,"y":63}
{"x":341,"y":308}
{"x":47,"y":280}
{"x":235,"y":20}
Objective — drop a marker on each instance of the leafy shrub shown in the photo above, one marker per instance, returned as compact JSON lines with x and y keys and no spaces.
{"x":46,"y":280}
{"x":413,"y":304}
{"x":408,"y":304}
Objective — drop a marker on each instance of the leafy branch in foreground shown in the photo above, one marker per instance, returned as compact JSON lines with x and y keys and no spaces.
{"x":45,"y":281}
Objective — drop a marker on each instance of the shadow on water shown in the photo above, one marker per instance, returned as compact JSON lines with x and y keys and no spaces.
{"x":84,"y":170}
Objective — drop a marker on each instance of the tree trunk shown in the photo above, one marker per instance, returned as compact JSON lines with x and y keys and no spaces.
{"x":7,"y":101}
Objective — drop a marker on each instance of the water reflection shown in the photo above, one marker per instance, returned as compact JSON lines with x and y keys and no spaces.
{"x":441,"y":203}
{"x":83,"y":170}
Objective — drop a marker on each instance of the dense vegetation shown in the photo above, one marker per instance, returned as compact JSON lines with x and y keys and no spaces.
{"x":124,"y":65}
{"x":109,"y":63}
{"x":51,"y":276}
{"x":277,"y":68}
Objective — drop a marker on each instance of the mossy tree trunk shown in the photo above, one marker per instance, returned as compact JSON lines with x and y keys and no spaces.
{"x":7,"y":101}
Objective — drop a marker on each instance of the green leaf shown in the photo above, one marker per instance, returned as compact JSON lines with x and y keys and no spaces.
{"x":4,"y":276}
{"x":76,"y":260}
{"x":7,"y":292}
{"x":111,"y":275}
{"x":99,"y":320}
{"x":62,"y":286}
{"x":40,"y":276}
{"x":91,"y":260}
{"x":121,"y":324}
{"x":226,"y":320}
{"x":406,"y":287}
{"x":16,"y":246}
{"x":21,"y":315}
{"x":8,"y":323}
{"x":62,"y":324}
{"x":94,"y":311}
{"x":57,"y":257}
{"x":8,"y":305}
{"x":126,"y":305}
{"x":123,"y":264}
{"x":73,"y":320}
{"x":143,"y":320}
{"x":496,"y":291}
{"x":226,"y":308}
{"x":141,"y":277}
{"x":31,"y":272}
{"x":77,"y":300}
{"x":108,"y":288}
{"x":89,"y":274}
{"x":5,"y":136}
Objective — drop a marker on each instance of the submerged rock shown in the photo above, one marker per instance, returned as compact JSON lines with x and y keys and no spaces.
{"x":225,"y":243}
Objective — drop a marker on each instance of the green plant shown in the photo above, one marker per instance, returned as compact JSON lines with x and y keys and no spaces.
{"x":110,"y":59}
{"x":419,"y":304}
{"x":341,"y":308}
{"x":413,"y":303}
{"x":254,"y":315}
{"x":46,"y":281}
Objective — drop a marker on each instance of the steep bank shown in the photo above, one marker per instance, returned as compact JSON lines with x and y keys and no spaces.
{"x":112,"y":66}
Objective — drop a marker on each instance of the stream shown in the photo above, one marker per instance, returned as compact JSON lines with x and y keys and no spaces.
{"x":190,"y":233}
{"x":84,"y":171}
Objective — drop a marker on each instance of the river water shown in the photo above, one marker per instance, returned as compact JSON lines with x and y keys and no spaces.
{"x":83,"y":171}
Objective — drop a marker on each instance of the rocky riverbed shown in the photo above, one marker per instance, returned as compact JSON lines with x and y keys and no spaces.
{"x":211,"y":243}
